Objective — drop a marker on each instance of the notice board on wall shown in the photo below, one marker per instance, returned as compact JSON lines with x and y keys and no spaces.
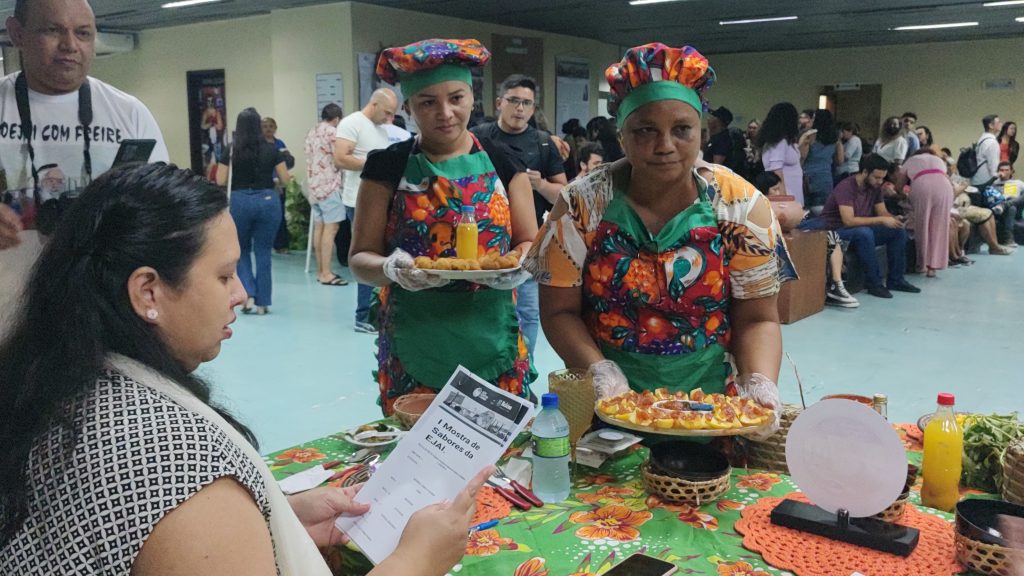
{"x":572,"y":91}
{"x":328,"y":91}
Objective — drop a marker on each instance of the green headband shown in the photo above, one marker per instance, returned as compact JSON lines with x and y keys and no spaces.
{"x":654,"y":91}
{"x":413,"y":82}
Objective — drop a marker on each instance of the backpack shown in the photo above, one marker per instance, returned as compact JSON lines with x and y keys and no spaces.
{"x":737,"y":160}
{"x":967,"y":162}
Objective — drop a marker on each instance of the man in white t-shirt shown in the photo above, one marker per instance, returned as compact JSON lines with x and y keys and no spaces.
{"x":987,"y":151}
{"x":359,"y":134}
{"x":57,"y":39}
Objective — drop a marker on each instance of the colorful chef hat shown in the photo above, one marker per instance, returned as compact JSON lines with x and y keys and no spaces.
{"x":429,"y":62}
{"x":655,"y":72}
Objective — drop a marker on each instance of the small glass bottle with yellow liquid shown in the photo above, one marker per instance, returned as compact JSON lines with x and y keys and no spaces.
{"x":466,"y":235}
{"x":943,"y":454}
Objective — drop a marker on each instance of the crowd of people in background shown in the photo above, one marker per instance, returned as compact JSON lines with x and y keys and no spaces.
{"x":902,"y":188}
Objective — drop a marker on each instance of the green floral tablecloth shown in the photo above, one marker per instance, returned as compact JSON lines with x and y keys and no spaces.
{"x":608,"y":517}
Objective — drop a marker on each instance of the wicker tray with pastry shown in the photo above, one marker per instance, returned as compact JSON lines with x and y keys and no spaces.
{"x":488,"y":266}
{"x":683,"y":414}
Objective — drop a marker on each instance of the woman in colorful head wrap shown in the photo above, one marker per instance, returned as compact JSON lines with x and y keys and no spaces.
{"x":410,"y":201}
{"x":653,"y":268}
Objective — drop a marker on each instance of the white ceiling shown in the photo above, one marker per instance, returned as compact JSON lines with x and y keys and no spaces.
{"x":821,"y":23}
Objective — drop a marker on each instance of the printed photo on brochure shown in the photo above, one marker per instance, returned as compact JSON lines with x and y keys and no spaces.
{"x":468,"y":426}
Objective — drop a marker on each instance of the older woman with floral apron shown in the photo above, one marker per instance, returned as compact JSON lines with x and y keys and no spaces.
{"x":659,"y":269}
{"x":410,"y":201}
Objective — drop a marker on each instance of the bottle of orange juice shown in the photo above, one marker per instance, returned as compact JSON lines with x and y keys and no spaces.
{"x":466,"y":235}
{"x":943,"y":453}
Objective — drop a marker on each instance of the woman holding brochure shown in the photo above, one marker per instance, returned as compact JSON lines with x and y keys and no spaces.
{"x":115,"y":460}
{"x":654,"y":268}
{"x":410,"y":201}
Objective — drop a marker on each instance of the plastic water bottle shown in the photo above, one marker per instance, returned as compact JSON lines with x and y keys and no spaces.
{"x":550,"y":452}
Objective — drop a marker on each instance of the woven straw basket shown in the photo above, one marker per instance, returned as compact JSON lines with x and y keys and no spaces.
{"x":417,"y":402}
{"x":576,"y":399}
{"x":987,"y":558}
{"x":672,"y":489}
{"x":770,"y":454}
{"x":895,"y":510}
{"x":1013,"y":473}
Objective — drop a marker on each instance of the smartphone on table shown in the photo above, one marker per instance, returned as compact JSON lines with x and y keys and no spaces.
{"x":641,"y":565}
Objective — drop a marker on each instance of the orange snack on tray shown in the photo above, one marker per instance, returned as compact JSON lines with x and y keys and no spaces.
{"x":664,"y":410}
{"x":492,"y":261}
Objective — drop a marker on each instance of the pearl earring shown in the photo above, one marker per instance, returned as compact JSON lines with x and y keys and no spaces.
{"x":152,"y":314}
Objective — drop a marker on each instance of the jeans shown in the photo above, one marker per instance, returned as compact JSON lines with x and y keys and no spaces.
{"x":257,"y":214}
{"x":863,"y":239}
{"x":364,"y":292}
{"x":528,"y":311}
{"x":1012,"y":209}
{"x":283,"y":239}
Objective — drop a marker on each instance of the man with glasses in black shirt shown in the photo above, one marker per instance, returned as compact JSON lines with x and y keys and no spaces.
{"x":515,"y":107}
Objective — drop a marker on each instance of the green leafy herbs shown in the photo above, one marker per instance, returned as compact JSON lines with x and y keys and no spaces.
{"x":986,"y":438}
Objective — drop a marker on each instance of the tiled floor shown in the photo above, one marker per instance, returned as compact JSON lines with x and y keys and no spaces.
{"x":301,"y":372}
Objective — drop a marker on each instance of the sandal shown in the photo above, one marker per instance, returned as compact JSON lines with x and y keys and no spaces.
{"x":336,"y":281}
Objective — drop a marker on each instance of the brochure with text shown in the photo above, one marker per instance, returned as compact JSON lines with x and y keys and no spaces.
{"x":468,"y":426}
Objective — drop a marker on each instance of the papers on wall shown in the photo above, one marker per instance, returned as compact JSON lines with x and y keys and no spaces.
{"x":468,"y":426}
{"x":572,"y":92}
{"x":328,"y":91}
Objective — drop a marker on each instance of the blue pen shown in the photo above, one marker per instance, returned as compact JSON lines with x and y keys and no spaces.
{"x":484,"y":526}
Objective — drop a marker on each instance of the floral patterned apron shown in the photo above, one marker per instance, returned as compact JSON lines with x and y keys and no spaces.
{"x":658,"y":304}
{"x":426,"y":335}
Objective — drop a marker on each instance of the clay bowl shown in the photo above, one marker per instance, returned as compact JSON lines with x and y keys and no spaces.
{"x":855,"y":397}
{"x":688,"y":461}
{"x":979,"y":520}
{"x":410,"y":407}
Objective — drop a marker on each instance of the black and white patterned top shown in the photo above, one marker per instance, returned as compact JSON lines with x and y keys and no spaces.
{"x":140,"y":455}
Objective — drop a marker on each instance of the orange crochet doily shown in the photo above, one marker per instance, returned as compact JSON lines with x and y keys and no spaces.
{"x":490,"y":506}
{"x":810,"y":555}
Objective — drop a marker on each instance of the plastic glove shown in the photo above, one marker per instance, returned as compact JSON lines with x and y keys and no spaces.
{"x":400,"y":268}
{"x":608,"y":379}
{"x":506,"y":280}
{"x":762,"y":390}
